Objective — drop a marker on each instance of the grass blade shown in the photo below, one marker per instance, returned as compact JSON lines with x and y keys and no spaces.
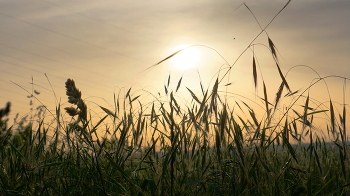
{"x":283,"y":78}
{"x":108,"y":112}
{"x":178,"y":84}
{"x":266,"y":101}
{"x":278,"y":95}
{"x":255,"y":73}
{"x":331,"y":110}
{"x":272,"y":48}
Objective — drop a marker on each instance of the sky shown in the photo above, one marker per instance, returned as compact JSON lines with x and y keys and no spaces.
{"x":107,"y":45}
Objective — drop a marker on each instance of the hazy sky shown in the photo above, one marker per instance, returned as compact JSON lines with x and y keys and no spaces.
{"x":105,"y":45}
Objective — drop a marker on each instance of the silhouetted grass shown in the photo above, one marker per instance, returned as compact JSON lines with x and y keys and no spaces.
{"x":211,"y":145}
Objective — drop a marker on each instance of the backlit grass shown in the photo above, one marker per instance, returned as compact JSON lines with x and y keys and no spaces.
{"x":212,"y":145}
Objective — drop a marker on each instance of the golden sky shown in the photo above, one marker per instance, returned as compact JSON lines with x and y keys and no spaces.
{"x":105,"y":45}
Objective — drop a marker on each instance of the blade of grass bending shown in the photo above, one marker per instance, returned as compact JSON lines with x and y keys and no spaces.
{"x":41,"y":137}
{"x":147,"y":153}
{"x":122,"y":138}
{"x":165,"y":90}
{"x":344,"y":126}
{"x":99,"y":122}
{"x":285,"y":133}
{"x":107,"y":111}
{"x":58,"y":113}
{"x":253,"y":15}
{"x":213,"y":103}
{"x":278,"y":95}
{"x":262,"y":137}
{"x":202,"y":88}
{"x":266,"y":101}
{"x":194,"y":96}
{"x":201,"y":108}
{"x":168,"y":80}
{"x":291,"y":93}
{"x":127,"y":93}
{"x":153,"y":114}
{"x":283,"y":78}
{"x":254,"y":73}
{"x":331,"y":110}
{"x":168,"y":57}
{"x":135,"y":98}
{"x":223,"y":120}
{"x":252,"y":114}
{"x":315,"y":112}
{"x":178,"y":84}
{"x":292,"y":151}
{"x":272,"y":48}
{"x":175,"y":105}
{"x":256,"y":133}
{"x":305,"y":111}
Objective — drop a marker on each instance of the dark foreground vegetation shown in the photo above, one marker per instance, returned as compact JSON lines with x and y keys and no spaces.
{"x":209,"y":146}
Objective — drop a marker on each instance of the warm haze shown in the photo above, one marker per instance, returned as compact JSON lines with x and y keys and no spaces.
{"x":106,"y":46}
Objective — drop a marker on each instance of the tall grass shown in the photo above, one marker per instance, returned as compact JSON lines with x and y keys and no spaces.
{"x":209,"y":146}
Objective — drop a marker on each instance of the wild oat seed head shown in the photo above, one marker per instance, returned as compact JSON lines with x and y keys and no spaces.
{"x":71,"y":111}
{"x":73,"y":93}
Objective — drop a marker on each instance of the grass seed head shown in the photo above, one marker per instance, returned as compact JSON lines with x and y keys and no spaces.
{"x":74,"y":95}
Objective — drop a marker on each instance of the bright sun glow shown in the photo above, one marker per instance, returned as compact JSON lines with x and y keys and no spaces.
{"x":185,"y":59}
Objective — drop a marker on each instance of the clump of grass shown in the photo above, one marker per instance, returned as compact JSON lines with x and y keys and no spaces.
{"x":212,"y":145}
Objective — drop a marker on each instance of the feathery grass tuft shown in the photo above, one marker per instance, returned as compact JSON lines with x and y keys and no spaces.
{"x":74,"y":97}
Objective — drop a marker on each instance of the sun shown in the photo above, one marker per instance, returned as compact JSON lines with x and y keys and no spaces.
{"x":186,"y":59}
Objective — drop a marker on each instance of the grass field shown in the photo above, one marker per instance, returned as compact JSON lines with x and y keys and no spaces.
{"x":209,"y":146}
